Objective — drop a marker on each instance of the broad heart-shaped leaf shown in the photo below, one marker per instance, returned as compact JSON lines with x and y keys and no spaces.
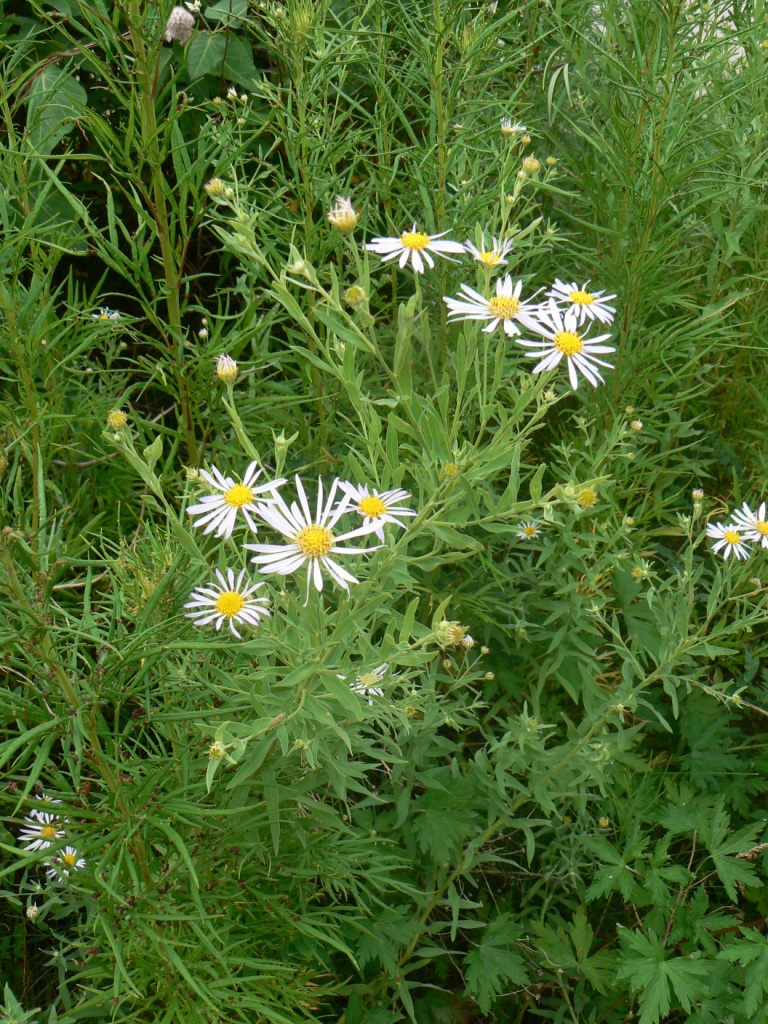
{"x":491,"y":966}
{"x":55,"y":101}
{"x":655,"y":977}
{"x":220,"y":53}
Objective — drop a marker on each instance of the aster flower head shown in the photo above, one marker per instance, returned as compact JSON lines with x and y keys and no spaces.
{"x":728,"y":539}
{"x":583,"y":304}
{"x":343,"y":216}
{"x":753,"y":524}
{"x":41,"y":830}
{"x":62,"y":866}
{"x":563,"y":341}
{"x":218,"y":512}
{"x":415,"y":246}
{"x":493,"y":257}
{"x":367,"y":683}
{"x":505,"y":307}
{"x":377,"y":507}
{"x":310,"y":539}
{"x":46,"y":801}
{"x":228,"y":600}
{"x":528,"y":531}
{"x":105,"y":314}
{"x":508,"y":128}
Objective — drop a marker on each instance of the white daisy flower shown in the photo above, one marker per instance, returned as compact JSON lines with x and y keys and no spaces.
{"x":729,"y":539}
{"x":218,"y":512}
{"x":507,"y":128}
{"x":41,"y":830}
{"x":754,"y":524}
{"x":61,"y":867}
{"x":564,"y":340}
{"x":367,"y":683}
{"x":528,"y":531}
{"x":343,"y":216}
{"x":311,"y":539}
{"x":47,"y":801}
{"x":505,"y":307}
{"x":583,"y":303}
{"x":377,"y":508}
{"x":413,"y":245}
{"x":105,"y":314}
{"x":228,"y":601}
{"x":493,"y":257}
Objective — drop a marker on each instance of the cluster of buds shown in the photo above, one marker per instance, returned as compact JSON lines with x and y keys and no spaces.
{"x":453,"y":634}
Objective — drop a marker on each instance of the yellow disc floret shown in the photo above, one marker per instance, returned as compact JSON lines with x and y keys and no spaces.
{"x":762,"y":528}
{"x":314,"y":541}
{"x":372,"y":506}
{"x":69,"y":859}
{"x":732,"y":537}
{"x":238,"y":496}
{"x":229,"y":603}
{"x":414,"y":240}
{"x":489,"y":258}
{"x":581,"y":298}
{"x":48,"y":832}
{"x":504,"y":306}
{"x":569,"y":343}
{"x":529,"y":531}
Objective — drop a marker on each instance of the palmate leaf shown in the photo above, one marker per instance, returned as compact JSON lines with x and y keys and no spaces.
{"x":492,"y":966}
{"x":656,"y":978}
{"x":723,"y":847}
{"x":751,"y":952}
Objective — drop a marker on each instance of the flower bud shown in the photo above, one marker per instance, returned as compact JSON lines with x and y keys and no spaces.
{"x":226,"y":369}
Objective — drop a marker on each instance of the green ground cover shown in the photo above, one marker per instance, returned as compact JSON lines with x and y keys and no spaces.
{"x":503,"y":760}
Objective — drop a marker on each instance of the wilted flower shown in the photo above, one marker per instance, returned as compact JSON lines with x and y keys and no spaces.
{"x":507,"y":128}
{"x":697,"y":494}
{"x":116,"y":419}
{"x":636,"y":425}
{"x":343,"y":216}
{"x":180,"y":26}
{"x":33,"y":911}
{"x":530,"y":165}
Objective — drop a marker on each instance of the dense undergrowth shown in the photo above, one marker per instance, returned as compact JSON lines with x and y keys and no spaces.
{"x":516,"y":772}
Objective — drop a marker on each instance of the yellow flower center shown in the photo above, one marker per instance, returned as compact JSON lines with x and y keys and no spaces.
{"x":504,"y":307}
{"x":372,"y":506}
{"x":490,"y":258}
{"x":569,"y":343}
{"x":229,"y":603}
{"x":116,"y":420}
{"x":587,"y":497}
{"x":103,"y":316}
{"x":314,"y":541}
{"x":604,"y":822}
{"x":732,"y":537}
{"x":414,"y":240}
{"x":368,"y":680}
{"x":48,"y":832}
{"x":529,"y":531}
{"x":762,"y":528}
{"x":238,"y":496}
{"x":581,"y":298}
{"x":69,"y":859}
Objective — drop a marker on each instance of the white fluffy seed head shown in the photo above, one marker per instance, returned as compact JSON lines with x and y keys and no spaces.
{"x":180,"y":26}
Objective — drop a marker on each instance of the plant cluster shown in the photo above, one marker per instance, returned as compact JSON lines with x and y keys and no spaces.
{"x":451,"y":706}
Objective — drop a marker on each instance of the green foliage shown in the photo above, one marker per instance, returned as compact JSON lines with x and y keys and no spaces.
{"x":504,"y":777}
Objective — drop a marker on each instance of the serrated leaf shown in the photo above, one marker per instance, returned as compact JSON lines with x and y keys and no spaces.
{"x":492,"y":966}
{"x":656,"y":978}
